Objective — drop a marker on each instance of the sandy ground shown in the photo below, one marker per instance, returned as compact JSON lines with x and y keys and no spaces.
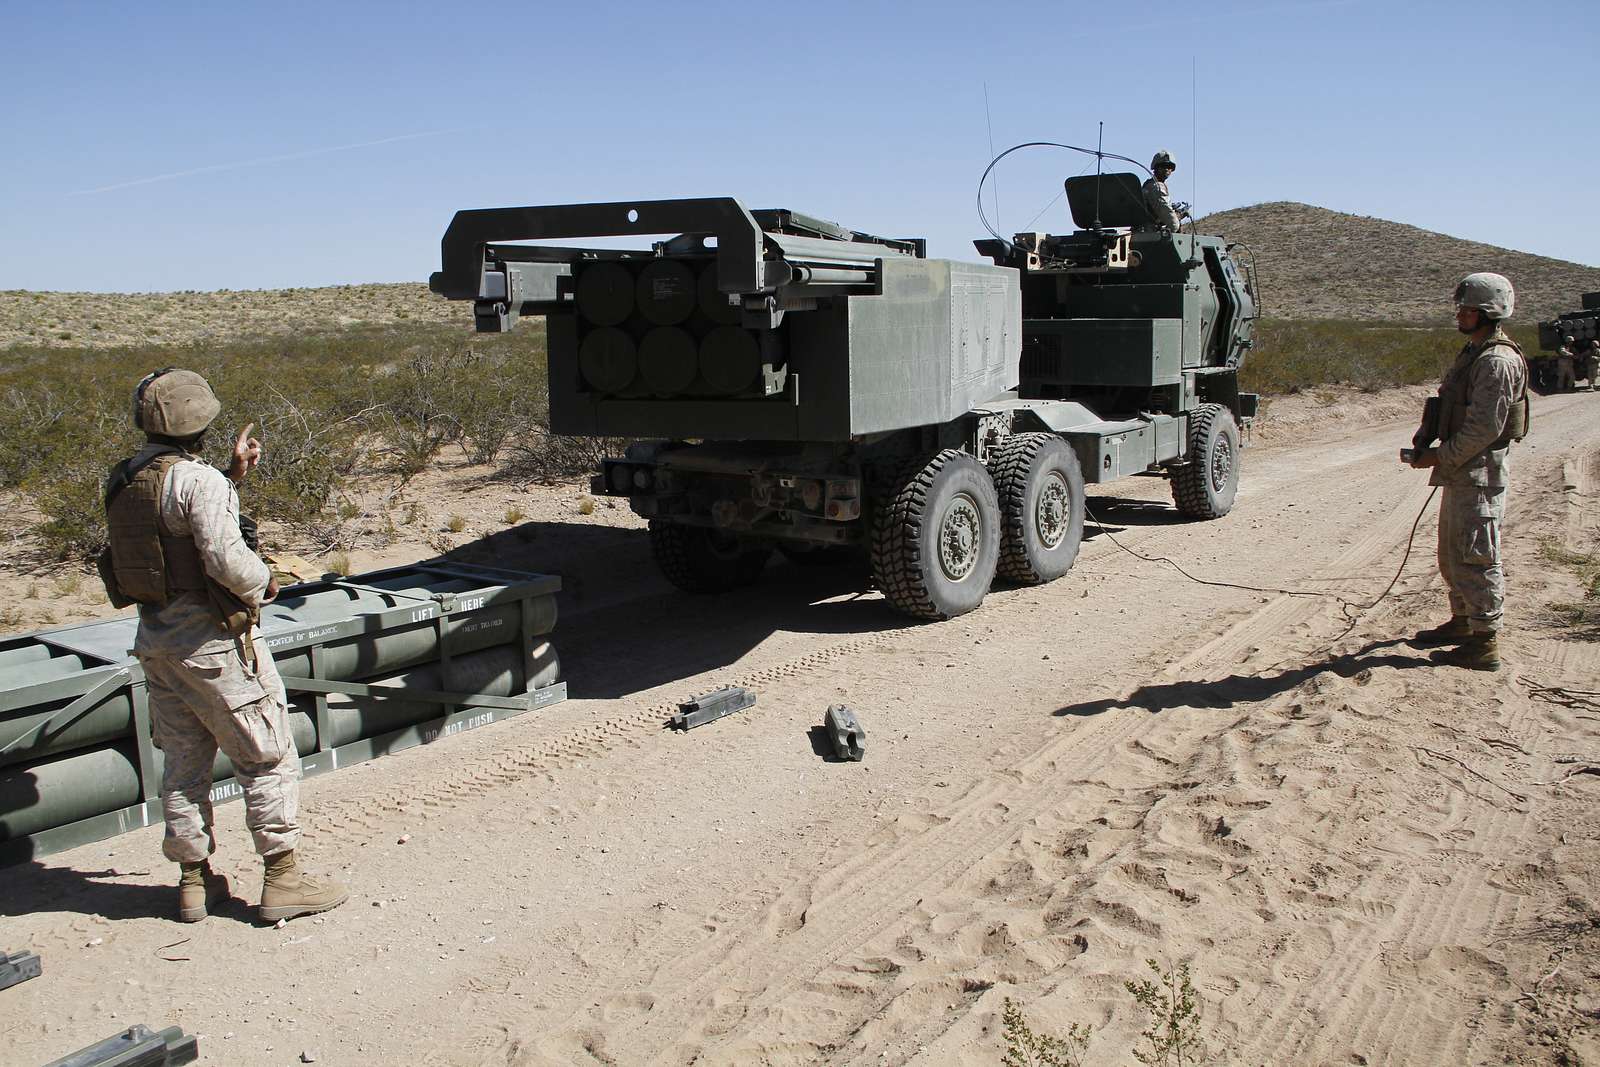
{"x":1364,"y":858}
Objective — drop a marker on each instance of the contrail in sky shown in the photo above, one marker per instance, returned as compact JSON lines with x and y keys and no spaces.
{"x":1244,"y":12}
{"x":240,"y":164}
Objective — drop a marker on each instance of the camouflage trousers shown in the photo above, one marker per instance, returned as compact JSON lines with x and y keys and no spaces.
{"x":213,"y":700}
{"x":1566,"y":373}
{"x":1469,"y":553}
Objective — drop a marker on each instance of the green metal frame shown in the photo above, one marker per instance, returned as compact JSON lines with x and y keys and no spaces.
{"x":459,"y":712}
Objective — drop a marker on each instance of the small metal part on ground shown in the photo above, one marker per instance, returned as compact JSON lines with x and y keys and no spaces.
{"x":19,"y":967}
{"x":712,"y":706}
{"x":137,"y":1046}
{"x":845,"y":733}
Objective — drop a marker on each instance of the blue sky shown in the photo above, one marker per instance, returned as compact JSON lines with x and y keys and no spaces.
{"x":162,"y":146}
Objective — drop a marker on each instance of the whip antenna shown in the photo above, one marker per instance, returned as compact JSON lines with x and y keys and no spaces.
{"x":1194,"y":137}
{"x":990,"y":120}
{"x":1099,"y":160}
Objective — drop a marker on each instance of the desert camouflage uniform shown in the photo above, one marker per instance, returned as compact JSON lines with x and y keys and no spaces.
{"x":209,"y":690}
{"x":1159,"y":203}
{"x":1474,"y":475}
{"x":1591,"y":364}
{"x":1566,"y":366}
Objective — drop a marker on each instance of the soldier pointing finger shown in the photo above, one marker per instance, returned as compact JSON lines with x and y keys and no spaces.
{"x":177,"y":550}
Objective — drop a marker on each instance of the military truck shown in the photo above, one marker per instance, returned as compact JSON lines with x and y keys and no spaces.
{"x":795,"y":384}
{"x":1583,"y":327}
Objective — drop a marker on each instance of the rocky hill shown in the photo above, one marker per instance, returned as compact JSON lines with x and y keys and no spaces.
{"x":1313,"y":264}
{"x":1321,"y":264}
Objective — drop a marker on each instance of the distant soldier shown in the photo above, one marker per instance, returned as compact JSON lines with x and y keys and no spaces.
{"x":1156,"y":198}
{"x":177,"y":551}
{"x":1591,"y":363}
{"x":1483,"y":407}
{"x":1566,"y":365}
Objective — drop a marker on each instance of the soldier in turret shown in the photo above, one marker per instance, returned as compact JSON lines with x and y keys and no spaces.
{"x":1566,"y":365}
{"x":1483,"y":408}
{"x":1156,"y":198}
{"x":177,"y":551}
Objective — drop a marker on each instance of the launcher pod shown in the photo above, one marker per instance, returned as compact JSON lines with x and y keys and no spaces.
{"x":372,"y":664}
{"x":799,"y":385}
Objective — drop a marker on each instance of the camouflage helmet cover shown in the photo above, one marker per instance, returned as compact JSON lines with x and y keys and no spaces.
{"x":174,"y":403}
{"x":1569,"y":339}
{"x":1163,"y":158}
{"x":1488,"y":292}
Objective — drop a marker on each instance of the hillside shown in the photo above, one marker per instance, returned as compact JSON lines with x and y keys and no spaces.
{"x":104,"y":320}
{"x":1321,"y":264}
{"x":1313,"y":264}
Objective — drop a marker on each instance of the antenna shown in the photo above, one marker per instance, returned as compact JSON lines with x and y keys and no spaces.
{"x":990,"y":120}
{"x":1194,"y":149}
{"x":1194,"y":137}
{"x":1099,"y":161}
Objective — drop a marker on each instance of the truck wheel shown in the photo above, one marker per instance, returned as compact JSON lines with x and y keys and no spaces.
{"x":936,"y":538}
{"x":1204,"y":488}
{"x":701,"y":560}
{"x":1040,"y":486}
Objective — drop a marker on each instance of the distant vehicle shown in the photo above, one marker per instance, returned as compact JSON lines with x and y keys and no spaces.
{"x":819,"y":390}
{"x":1582,"y":326}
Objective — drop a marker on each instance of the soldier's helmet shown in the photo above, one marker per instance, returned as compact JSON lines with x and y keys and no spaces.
{"x":1568,"y":339}
{"x":1162,"y":158}
{"x":1489,"y":293}
{"x":174,"y":403}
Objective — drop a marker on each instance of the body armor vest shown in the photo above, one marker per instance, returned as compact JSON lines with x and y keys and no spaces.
{"x":1455,"y":397}
{"x":150,"y":566}
{"x":146,"y":564}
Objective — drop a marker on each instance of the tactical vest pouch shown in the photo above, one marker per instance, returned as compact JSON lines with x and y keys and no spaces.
{"x":133,"y":514}
{"x":108,"y":577}
{"x":234,"y":616}
{"x":1516,"y":422}
{"x":145,"y":564}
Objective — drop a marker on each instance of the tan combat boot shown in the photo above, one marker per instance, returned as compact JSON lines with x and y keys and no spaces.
{"x":287,"y":892}
{"x":1480,"y":652}
{"x":1453,"y":632}
{"x":198,"y":888}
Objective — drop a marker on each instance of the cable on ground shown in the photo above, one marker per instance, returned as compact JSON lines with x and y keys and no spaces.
{"x":1351,"y":609}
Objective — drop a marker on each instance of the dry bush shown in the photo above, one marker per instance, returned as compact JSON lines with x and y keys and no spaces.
{"x":1290,"y":356}
{"x":543,"y":456}
{"x":324,"y":407}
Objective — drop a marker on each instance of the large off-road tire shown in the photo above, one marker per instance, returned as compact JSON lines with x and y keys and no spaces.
{"x":1040,"y":487}
{"x":697,"y":559}
{"x":936,"y":537}
{"x":1204,"y":487}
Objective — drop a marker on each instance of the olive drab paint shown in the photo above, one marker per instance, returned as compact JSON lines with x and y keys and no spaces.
{"x":799,"y":385}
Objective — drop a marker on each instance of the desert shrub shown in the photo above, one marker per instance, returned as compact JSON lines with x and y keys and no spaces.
{"x":324,"y":407}
{"x":1292,"y":355}
{"x":1172,"y":1037}
{"x":1580,"y":618}
{"x":1026,"y":1047}
{"x":542,"y":455}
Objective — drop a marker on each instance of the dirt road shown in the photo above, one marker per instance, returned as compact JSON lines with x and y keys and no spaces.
{"x":1364,"y":858}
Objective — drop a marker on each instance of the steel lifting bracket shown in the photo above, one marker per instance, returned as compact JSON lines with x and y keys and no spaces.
{"x":849,"y":740}
{"x":712,"y":706}
{"x":19,"y":967}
